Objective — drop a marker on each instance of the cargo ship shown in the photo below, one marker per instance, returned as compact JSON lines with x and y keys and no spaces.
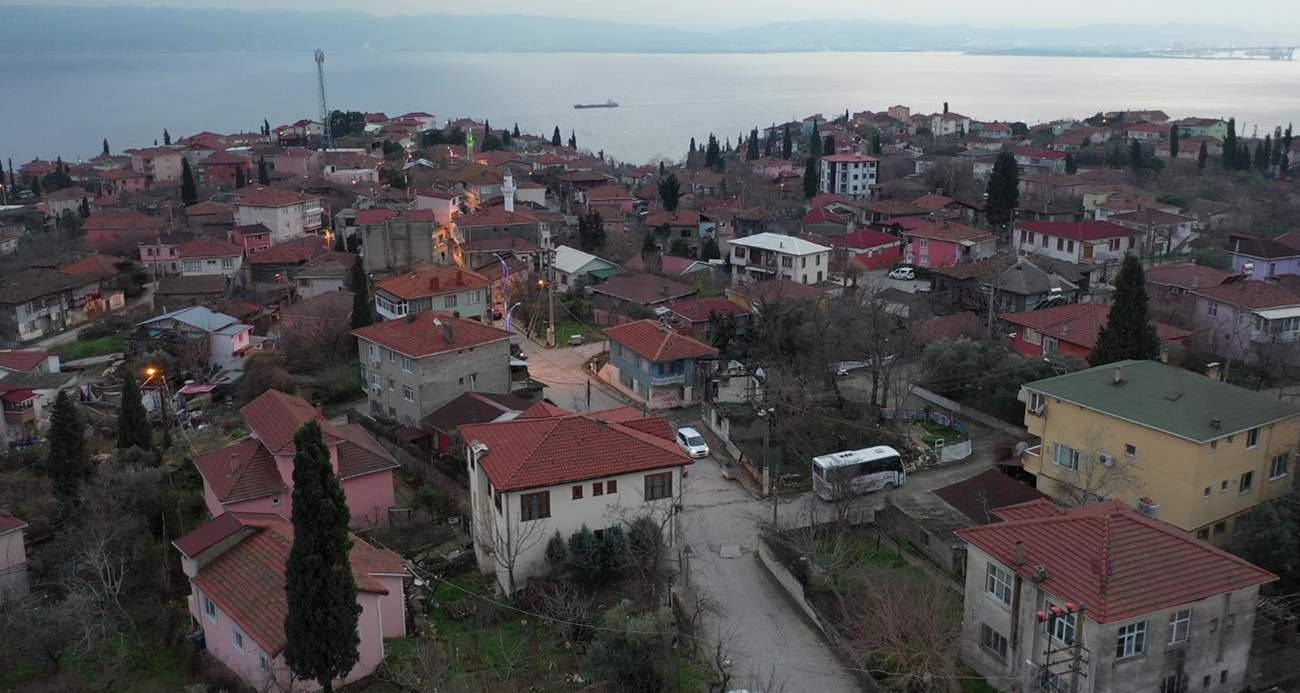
{"x":607,"y":104}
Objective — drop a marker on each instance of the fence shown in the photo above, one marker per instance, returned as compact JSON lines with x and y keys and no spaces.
{"x":972,"y":414}
{"x":433,"y":468}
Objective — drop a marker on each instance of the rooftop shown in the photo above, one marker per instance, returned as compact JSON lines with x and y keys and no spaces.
{"x":471,"y":408}
{"x":430,"y":333}
{"x":12,"y":360}
{"x":657,"y":343}
{"x":434,"y":281}
{"x":1250,"y":294}
{"x":645,"y":289}
{"x":1077,"y":230}
{"x":1080,"y":323}
{"x":779,"y":243}
{"x":1186,"y":276}
{"x":699,"y":309}
{"x":957,"y":233}
{"x":207,"y":246}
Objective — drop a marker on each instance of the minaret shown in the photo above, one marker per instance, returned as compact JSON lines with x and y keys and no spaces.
{"x":508,"y":192}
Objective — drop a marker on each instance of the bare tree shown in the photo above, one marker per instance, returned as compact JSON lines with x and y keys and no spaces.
{"x":572,"y":612}
{"x":911,"y":626}
{"x":510,"y":543}
{"x":1092,"y":473}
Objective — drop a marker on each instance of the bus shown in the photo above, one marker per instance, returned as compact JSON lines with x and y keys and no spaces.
{"x":854,"y":472}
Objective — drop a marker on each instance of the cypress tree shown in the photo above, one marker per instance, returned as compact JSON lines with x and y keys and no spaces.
{"x":167,"y":137}
{"x":68,"y":466}
{"x":1264,"y":154}
{"x":751,"y":151}
{"x":263,"y":175}
{"x":1230,"y":146}
{"x":320,"y":628}
{"x":648,"y":246}
{"x":810,"y":182}
{"x":1283,"y":164}
{"x":787,"y":145}
{"x":555,"y":137}
{"x":1173,"y":142}
{"x":516,"y":131}
{"x":573,"y":140}
{"x":767,"y":146}
{"x":1135,"y":155}
{"x":266,"y":127}
{"x":105,"y":146}
{"x":240,"y":179}
{"x":85,"y":207}
{"x":1128,"y":332}
{"x":692,"y":150}
{"x":36,"y":186}
{"x":710,"y":251}
{"x":133,"y":427}
{"x":360,"y":285}
{"x":1071,"y":166}
{"x":505,"y":137}
{"x":670,"y":192}
{"x":814,"y":144}
{"x":189,"y":193}
{"x":713,"y":155}
{"x":875,"y":144}
{"x":662,"y":169}
{"x":828,"y":146}
{"x":1202,"y":156}
{"x":1003,"y":190}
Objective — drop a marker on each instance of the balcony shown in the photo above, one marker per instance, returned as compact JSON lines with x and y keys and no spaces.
{"x":18,"y":407}
{"x":668,"y":379}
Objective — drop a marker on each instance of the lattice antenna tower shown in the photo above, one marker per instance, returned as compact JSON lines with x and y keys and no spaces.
{"x":326,"y":137}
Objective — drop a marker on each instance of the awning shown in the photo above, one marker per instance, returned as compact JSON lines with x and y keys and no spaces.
{"x":1279,"y":313}
{"x":196,"y":389}
{"x":17,"y":395}
{"x":606,"y":273}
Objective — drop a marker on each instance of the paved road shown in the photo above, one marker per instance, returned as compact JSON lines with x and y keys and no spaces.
{"x":566,"y":379}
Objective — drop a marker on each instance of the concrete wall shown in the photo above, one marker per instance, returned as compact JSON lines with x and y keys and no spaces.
{"x":396,"y":243}
{"x":13,"y":566}
{"x":435,"y":380}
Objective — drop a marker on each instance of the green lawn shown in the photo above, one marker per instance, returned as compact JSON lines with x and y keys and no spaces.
{"x":86,"y":348}
{"x":935,"y":432}
{"x":566,"y":329}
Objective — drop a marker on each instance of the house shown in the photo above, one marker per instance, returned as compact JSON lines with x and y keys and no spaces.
{"x":692,"y":228}
{"x":1031,"y":159}
{"x":1051,"y":186}
{"x":1155,"y":608}
{"x":444,"y":205}
{"x":113,"y":228}
{"x":9,"y":241}
{"x":174,"y":293}
{"x":943,"y":244}
{"x":767,"y":256}
{"x":36,"y":302}
{"x":157,"y":164}
{"x":1171,"y":286}
{"x":497,"y":222}
{"x":633,"y":294}
{"x":823,"y":222}
{"x":395,"y":238}
{"x":1244,"y":317}
{"x":255,"y":474}
{"x":696,"y":314}
{"x":286,"y":213}
{"x":236,"y":569}
{"x":208,"y":255}
{"x":29,"y":361}
{"x":611,"y":197}
{"x":116,"y":181}
{"x":653,"y":364}
{"x":220,"y":170}
{"x":321,"y":275}
{"x":550,"y":471}
{"x":67,"y":200}
{"x":197,"y":334}
{"x":1199,"y":452}
{"x":433,"y":358}
{"x":1201,"y":127}
{"x":768,"y":168}
{"x":13,"y":559}
{"x":849,"y":175}
{"x":1161,"y":232}
{"x":469,"y":408}
{"x":1257,"y":257}
{"x":253,"y":238}
{"x":488,"y":250}
{"x":459,"y":292}
{"x":1217,"y":216}
{"x":1145,"y":132}
{"x":867,"y":248}
{"x":1189,"y":148}
{"x":1017,"y":282}
{"x":1090,"y":242}
{"x":158,"y":255}
{"x":278,"y":265}
{"x":574,"y":270}
{"x":1070,"y":329}
{"x":754,"y":297}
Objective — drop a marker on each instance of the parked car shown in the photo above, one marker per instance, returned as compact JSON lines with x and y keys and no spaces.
{"x":690,"y":440}
{"x":905,"y":273}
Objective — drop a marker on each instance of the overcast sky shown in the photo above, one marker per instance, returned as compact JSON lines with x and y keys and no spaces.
{"x":726,"y":14}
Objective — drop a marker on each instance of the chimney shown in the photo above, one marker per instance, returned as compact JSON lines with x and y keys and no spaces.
{"x":234,"y":463}
{"x":446,"y":333}
{"x":1040,"y":573}
{"x":663,"y":289}
{"x":1020,"y":552}
{"x":1216,"y":423}
{"x":460,"y":278}
{"x":433,"y":283}
{"x":1119,"y":375}
{"x":1212,"y":370}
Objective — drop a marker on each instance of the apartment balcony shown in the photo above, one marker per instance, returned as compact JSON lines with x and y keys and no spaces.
{"x":668,"y":379}
{"x":20,"y":412}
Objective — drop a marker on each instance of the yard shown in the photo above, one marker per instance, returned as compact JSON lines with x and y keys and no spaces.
{"x":88,"y":347}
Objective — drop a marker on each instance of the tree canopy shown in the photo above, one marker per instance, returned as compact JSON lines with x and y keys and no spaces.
{"x":1128,"y":332}
{"x":670,"y":191}
{"x":133,"y":427}
{"x":1003,"y":190}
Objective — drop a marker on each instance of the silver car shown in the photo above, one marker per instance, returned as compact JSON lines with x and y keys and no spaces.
{"x":690,"y":440}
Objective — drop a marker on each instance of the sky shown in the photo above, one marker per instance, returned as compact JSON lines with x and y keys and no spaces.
{"x":727,"y":14}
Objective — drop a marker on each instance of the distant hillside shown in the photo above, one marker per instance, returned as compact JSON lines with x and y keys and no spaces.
{"x":99,"y":30}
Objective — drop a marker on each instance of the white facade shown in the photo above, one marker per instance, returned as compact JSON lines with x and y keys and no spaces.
{"x":286,"y":222}
{"x":229,"y":266}
{"x":767,"y":256}
{"x":1084,"y":252}
{"x":848,"y":175}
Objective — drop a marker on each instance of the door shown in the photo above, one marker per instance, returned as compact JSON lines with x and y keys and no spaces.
{"x":1087,"y":251}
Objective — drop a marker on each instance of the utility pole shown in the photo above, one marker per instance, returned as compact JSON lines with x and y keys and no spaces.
{"x":550,"y":292}
{"x":1076,"y":652}
{"x":589,"y":393}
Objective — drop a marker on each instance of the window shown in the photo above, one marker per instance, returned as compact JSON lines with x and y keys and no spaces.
{"x":577,"y":492}
{"x":1277,"y":469}
{"x":1252,"y":438}
{"x":1213,"y":309}
{"x":392,"y":356}
{"x":473,"y":297}
{"x":407,"y":394}
{"x":1033,"y":336}
{"x":740,"y":252}
{"x":263,"y":662}
{"x":535,"y":506}
{"x":406,"y":364}
{"x":237,"y":638}
{"x":611,"y":486}
{"x":1220,"y":528}
{"x":1065,"y":456}
{"x":925,"y":243}
{"x":1037,"y":401}
{"x":392,"y":384}
{"x":1063,"y":628}
{"x":210,"y":609}
{"x":227,"y":263}
{"x":1132,"y":640}
{"x":803,"y":262}
{"x":1060,"y":244}
{"x":993,"y":642}
{"x":598,"y":489}
{"x":1223,"y":486}
{"x":1247,"y":483}
{"x":275,"y":501}
{"x":787,"y":261}
{"x":998,"y":584}
{"x":1174,"y":683}
{"x":1207,"y":491}
{"x":449,"y":301}
{"x":1180,"y":626}
{"x":192,"y":265}
{"x":1203,"y":535}
{"x":658,"y":486}
{"x":374,"y":352}
{"x":1130,"y":450}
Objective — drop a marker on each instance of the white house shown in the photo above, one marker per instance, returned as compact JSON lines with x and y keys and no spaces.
{"x":227,"y":339}
{"x":573,"y":268}
{"x":767,"y":256}
{"x":208,"y":255}
{"x":286,"y":213}
{"x":850,"y":175}
{"x":550,"y":470}
{"x":1092,"y":242}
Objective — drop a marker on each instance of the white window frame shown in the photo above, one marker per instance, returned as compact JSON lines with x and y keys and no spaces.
{"x":1180,"y":626}
{"x":994,"y":642}
{"x":1131,"y":640}
{"x":1213,"y":309}
{"x":1063,"y":627}
{"x":1285,"y":463}
{"x":237,"y":639}
{"x":228,"y":263}
{"x":209,"y":609}
{"x":1061,"y":451}
{"x":407,"y":393}
{"x":997,"y":582}
{"x":1252,"y":438}
{"x":1246,"y":483}
{"x":407,"y":364}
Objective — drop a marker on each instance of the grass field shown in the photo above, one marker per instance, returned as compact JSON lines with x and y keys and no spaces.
{"x":86,"y":348}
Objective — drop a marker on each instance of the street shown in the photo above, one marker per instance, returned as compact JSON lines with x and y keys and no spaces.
{"x":566,"y":379}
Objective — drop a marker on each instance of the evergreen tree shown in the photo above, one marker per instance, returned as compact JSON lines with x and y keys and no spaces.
{"x":263,"y":173}
{"x":133,"y":427}
{"x":662,"y":169}
{"x":68,"y":465}
{"x":810,"y":183}
{"x":692,"y":150}
{"x":1202,"y":156}
{"x":787,"y":145}
{"x":266,"y":127}
{"x":649,"y":248}
{"x":875,"y":144}
{"x":516,"y":131}
{"x":320,"y":628}
{"x":189,"y":192}
{"x":340,"y":246}
{"x":241,"y":179}
{"x":167,"y":137}
{"x":814,"y":144}
{"x":670,"y":192}
{"x":591,"y":231}
{"x":751,"y":151}
{"x":106,"y":153}
{"x":828,"y":146}
{"x":1071,"y":166}
{"x":713,"y":155}
{"x":1128,"y":332}
{"x":767,"y":146}
{"x":1003,"y":190}
{"x":614,"y":552}
{"x":573,"y":140}
{"x":1173,"y":142}
{"x":36,"y":186}
{"x":557,"y":552}
{"x":1135,"y":155}
{"x":680,"y":248}
{"x":360,"y":286}
{"x":1271,"y":543}
{"x":1243,"y":157}
{"x":1283,"y":164}
{"x":584,"y":555}
{"x":1230,"y":146}
{"x":505,"y":137}
{"x":1277,"y":145}
{"x":85,"y":207}
{"x":1264,"y":155}
{"x":710,"y":251}
{"x":555,"y":137}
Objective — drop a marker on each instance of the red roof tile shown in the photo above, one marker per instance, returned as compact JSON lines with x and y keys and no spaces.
{"x":932,"y":201}
{"x":261,"y":196}
{"x":94,"y":266}
{"x":9,"y":523}
{"x":645,"y":289}
{"x":496,"y":216}
{"x":863,"y":239}
{"x":224,"y":159}
{"x":275,"y":416}
{"x":1077,"y":230}
{"x":848,"y":158}
{"x":1251,"y":294}
{"x":951,"y":232}
{"x":1117,"y":562}
{"x":121,"y":219}
{"x":375,"y":217}
{"x":242,"y":471}
{"x":22,"y":360}
{"x":434,"y":281}
{"x":1186,"y":276}
{"x":207,"y":246}
{"x":821,"y":214}
{"x":951,"y":327}
{"x":1079,"y":323}
{"x":655,"y":343}
{"x":424,"y":334}
{"x":360,"y":454}
{"x":698,"y":309}
{"x":544,"y":451}
{"x":776,"y":289}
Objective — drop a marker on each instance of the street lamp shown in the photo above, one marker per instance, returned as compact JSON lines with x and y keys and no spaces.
{"x":767,"y":468}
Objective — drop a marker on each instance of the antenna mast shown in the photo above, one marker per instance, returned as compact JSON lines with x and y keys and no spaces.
{"x":326,"y":138}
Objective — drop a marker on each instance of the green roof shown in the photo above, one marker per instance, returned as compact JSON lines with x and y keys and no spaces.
{"x":606,"y":273}
{"x":1168,"y":399}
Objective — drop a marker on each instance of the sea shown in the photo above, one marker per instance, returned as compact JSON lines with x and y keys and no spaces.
{"x":66,"y":105}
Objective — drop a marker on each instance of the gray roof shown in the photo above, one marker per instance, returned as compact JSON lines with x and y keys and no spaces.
{"x":1166,"y":398}
{"x":39,"y":381}
{"x":198,"y":317}
{"x":35,"y":283}
{"x":1027,"y":279}
{"x":193,"y":284}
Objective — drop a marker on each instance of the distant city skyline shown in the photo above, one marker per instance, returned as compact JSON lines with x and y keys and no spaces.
{"x":1259,"y":15}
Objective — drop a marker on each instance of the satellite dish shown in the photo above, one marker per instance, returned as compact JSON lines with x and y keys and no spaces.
{"x":1021,"y":447}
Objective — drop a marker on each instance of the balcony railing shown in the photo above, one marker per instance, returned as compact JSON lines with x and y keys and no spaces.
{"x":668,"y":379}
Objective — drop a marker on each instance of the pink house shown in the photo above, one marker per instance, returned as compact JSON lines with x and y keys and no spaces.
{"x":256,"y":473}
{"x":869,"y":248}
{"x":13,"y":559}
{"x":945,"y":245}
{"x":236,"y":565}
{"x":610,"y":197}
{"x":120,"y":228}
{"x":119,"y":180}
{"x":770,"y":167}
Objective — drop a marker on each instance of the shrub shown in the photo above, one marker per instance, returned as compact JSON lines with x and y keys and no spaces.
{"x":584,"y":555}
{"x":632,"y":652}
{"x":557,"y":552}
{"x":645,"y":543}
{"x":614,"y":551}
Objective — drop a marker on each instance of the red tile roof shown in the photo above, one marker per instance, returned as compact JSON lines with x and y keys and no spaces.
{"x":375,"y":217}
{"x":1150,"y":216}
{"x":247,"y":580}
{"x":434,"y":281}
{"x":275,"y":416}
{"x":261,"y":196}
{"x":424,"y":334}
{"x":932,"y":201}
{"x":1038,"y":153}
{"x":645,"y":289}
{"x":242,"y":471}
{"x":656,"y":343}
{"x":120,"y":174}
{"x":1117,"y":562}
{"x":951,"y":327}
{"x":1251,"y":294}
{"x":608,"y":192}
{"x":698,"y":309}
{"x":865,"y":238}
{"x":497,"y":216}
{"x":545,"y":451}
{"x":977,"y":496}
{"x":1079,"y":323}
{"x":821,"y":214}
{"x":774,"y":289}
{"x":1077,"y":230}
{"x":67,"y":194}
{"x":848,"y":158}
{"x":682,"y":217}
{"x":22,"y":360}
{"x":1186,"y":276}
{"x":9,"y":523}
{"x":224,"y":159}
{"x":955,"y":233}
{"x":294,"y":252}
{"x":207,"y":246}
{"x":360,"y":454}
{"x":512,"y":243}
{"x":121,"y":219}
{"x":94,"y":266}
